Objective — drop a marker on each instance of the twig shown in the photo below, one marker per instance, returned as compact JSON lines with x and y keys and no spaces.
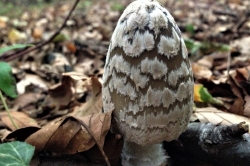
{"x":241,"y":22}
{"x":97,"y":142}
{"x":224,"y":12}
{"x":39,"y":45}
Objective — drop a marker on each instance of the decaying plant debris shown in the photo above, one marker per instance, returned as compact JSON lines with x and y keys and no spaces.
{"x":48,"y":97}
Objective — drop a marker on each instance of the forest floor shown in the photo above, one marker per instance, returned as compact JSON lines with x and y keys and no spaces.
{"x":60,"y":82}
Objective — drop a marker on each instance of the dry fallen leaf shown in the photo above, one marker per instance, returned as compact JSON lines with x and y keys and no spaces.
{"x":94,"y":104}
{"x":66,"y":136}
{"x":22,"y":133}
{"x":69,"y":136}
{"x":4,"y":133}
{"x":15,"y":36}
{"x":62,"y":93}
{"x":37,"y":33}
{"x":3,"y":22}
{"x":79,"y":81}
{"x":71,"y":47}
{"x":29,"y":79}
{"x":237,"y":107}
{"x":21,"y":119}
{"x":240,"y":77}
{"x":243,"y":43}
{"x":112,"y":147}
{"x":201,"y":71}
{"x":26,"y":99}
{"x":215,"y":116}
{"x":246,"y":111}
{"x":245,"y":72}
{"x":206,"y":61}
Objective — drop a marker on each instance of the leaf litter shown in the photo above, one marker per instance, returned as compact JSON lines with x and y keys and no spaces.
{"x":59,"y":85}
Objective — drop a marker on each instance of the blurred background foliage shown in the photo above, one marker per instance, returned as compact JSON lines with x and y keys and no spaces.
{"x":19,"y":6}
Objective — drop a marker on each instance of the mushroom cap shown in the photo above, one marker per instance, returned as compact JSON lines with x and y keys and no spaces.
{"x":148,"y":80}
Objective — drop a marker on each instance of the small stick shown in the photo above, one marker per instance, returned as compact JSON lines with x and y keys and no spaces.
{"x":97,"y":142}
{"x":18,"y":53}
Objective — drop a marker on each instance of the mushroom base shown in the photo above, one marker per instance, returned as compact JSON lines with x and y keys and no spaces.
{"x":149,"y":155}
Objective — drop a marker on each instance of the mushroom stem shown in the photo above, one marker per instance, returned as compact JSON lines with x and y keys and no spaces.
{"x":148,"y":155}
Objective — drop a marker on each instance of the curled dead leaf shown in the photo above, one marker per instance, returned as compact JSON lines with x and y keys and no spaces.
{"x":240,"y":77}
{"x":62,"y":93}
{"x":22,"y":133}
{"x":68,"y":136}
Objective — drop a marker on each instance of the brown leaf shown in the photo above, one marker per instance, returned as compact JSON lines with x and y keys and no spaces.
{"x":15,"y":36}
{"x":247,"y":106}
{"x":26,"y":99}
{"x":37,"y":33}
{"x":94,"y":104}
{"x":99,"y":124}
{"x":3,"y":22}
{"x":237,"y":107}
{"x":4,"y":133}
{"x":240,"y":77}
{"x":21,"y":119}
{"x":215,"y":116}
{"x":235,"y":89}
{"x":22,"y":133}
{"x":206,"y":61}
{"x":112,"y":148}
{"x":201,"y":71}
{"x":235,"y":1}
{"x":62,"y":93}
{"x":71,"y":47}
{"x":69,"y":136}
{"x":243,"y":43}
{"x":88,"y":62}
{"x":31,"y":79}
{"x":244,"y":72}
{"x":75,"y":76}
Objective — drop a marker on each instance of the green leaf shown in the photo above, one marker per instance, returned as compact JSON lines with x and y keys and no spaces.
{"x":208,"y":98}
{"x":204,"y":94}
{"x":192,"y":46}
{"x":15,"y":46}
{"x":205,"y":47}
{"x":7,"y":80}
{"x":209,"y":47}
{"x":60,"y":38}
{"x":117,"y":7}
{"x":190,"y":29}
{"x":16,"y":153}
